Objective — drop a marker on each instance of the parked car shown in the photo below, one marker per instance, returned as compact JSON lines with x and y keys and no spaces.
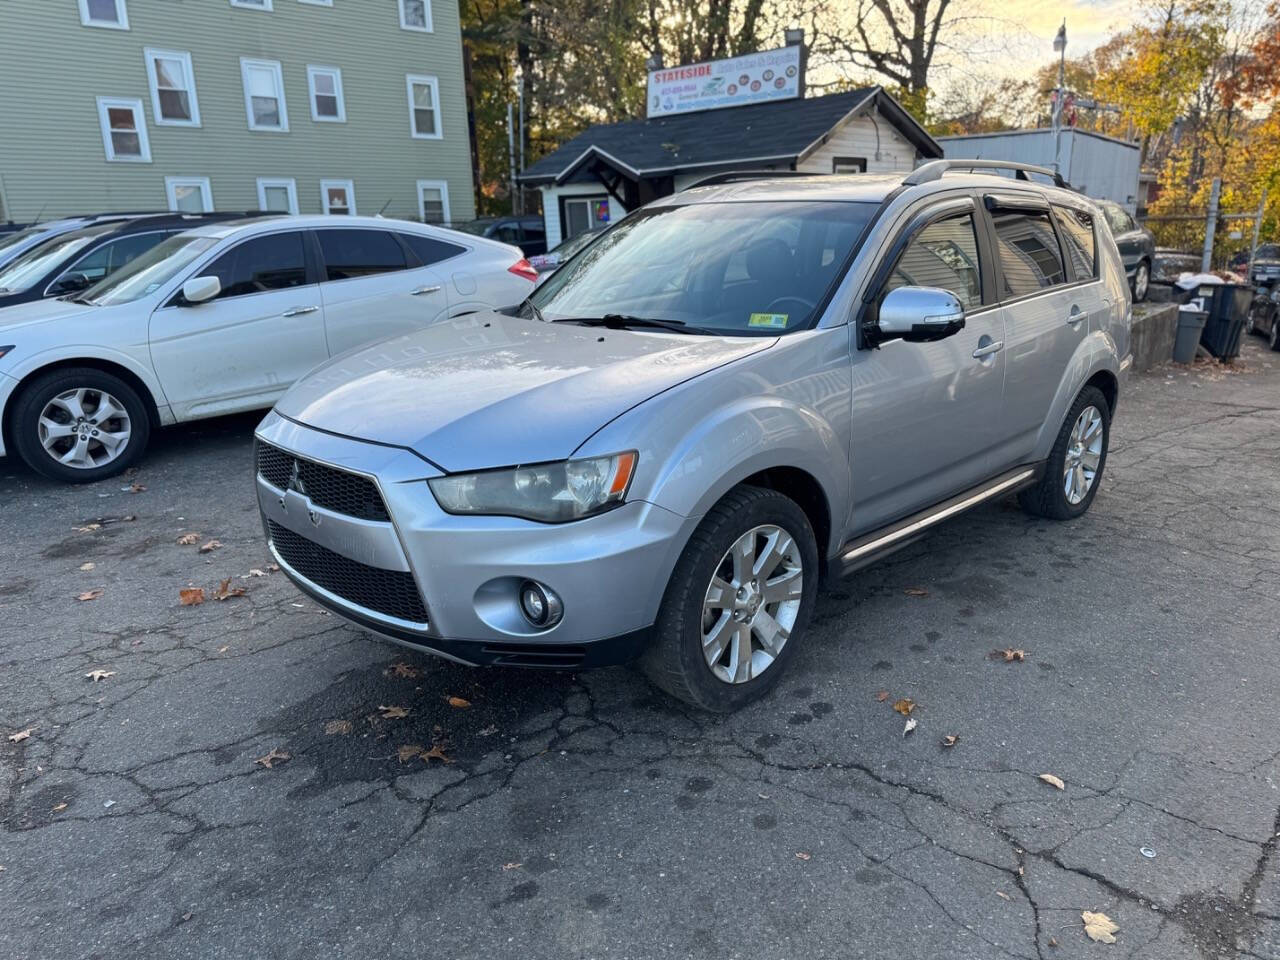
{"x":662,"y":451}
{"x":527,"y":233}
{"x":1137,"y":247}
{"x":1266,"y":263}
{"x":72,"y":261}
{"x":1264,"y":313}
{"x":224,"y":318}
{"x":16,"y":242}
{"x":547,"y":263}
{"x":1169,"y":264}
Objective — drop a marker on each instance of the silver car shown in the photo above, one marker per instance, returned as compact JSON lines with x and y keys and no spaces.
{"x":733,"y":393}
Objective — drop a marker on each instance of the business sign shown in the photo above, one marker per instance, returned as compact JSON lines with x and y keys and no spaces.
{"x":752,"y":78}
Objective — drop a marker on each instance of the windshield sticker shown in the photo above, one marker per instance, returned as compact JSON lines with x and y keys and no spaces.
{"x":777,"y":321}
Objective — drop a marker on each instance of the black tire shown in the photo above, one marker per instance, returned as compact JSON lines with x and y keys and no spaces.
{"x":1141,"y":271}
{"x":25,"y":419}
{"x":1274,"y":339}
{"x":1048,"y":498}
{"x":674,"y":661}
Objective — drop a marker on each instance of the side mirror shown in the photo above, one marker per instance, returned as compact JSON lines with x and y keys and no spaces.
{"x":70,"y":283}
{"x":919,"y":315}
{"x":200,"y":289}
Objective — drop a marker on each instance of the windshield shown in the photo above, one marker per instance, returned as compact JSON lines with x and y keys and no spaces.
{"x":27,"y":270}
{"x":1267,"y":251}
{"x":147,"y":273}
{"x":575,"y":243}
{"x":10,"y":240}
{"x":751,"y":267}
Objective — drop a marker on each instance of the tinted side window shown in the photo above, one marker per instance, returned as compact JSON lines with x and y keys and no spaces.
{"x":1030,"y":260}
{"x":1117,"y":219}
{"x":1077,"y":235}
{"x":944,"y":254}
{"x":110,"y":257}
{"x":359,"y":253}
{"x":429,"y":250}
{"x":507,"y":233}
{"x":273,"y":262}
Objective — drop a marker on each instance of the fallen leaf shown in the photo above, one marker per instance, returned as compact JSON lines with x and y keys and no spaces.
{"x":916,"y":592}
{"x":1053,"y":941}
{"x":271,"y":759}
{"x":487,"y":731}
{"x":410,"y":751}
{"x":210,"y":546}
{"x":187,"y":539}
{"x":1053,"y":781}
{"x":87,"y":566}
{"x":804,"y":856}
{"x":89,"y":595}
{"x":436,"y":753}
{"x":909,"y":725}
{"x":187,"y":916}
{"x":224,"y":649}
{"x":512,"y":866}
{"x":273,"y":567}
{"x":89,"y":528}
{"x":1099,"y":927}
{"x":225,"y":590}
{"x":255,"y":572}
{"x":882,"y":696}
{"x":950,"y":740}
{"x":904,"y":706}
{"x":99,"y":674}
{"x":459,"y":703}
{"x":136,"y":488}
{"x":404,"y":670}
{"x":1009,"y":655}
{"x":191,"y":596}
{"x":1002,"y":895}
{"x":60,"y":807}
{"x":337,"y":726}
{"x":393,"y":713}
{"x":21,"y":735}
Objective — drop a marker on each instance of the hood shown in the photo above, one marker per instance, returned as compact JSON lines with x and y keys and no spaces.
{"x":488,"y":390}
{"x":41,"y":311}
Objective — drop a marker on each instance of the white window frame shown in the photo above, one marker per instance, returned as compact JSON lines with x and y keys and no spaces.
{"x":318,"y":3}
{"x":140,"y":120}
{"x":404,"y":24}
{"x":274,"y":65}
{"x":153,"y":78}
{"x":122,"y":17}
{"x":434,"y":84}
{"x":348,"y":185}
{"x":287,"y":182}
{"x":443,"y":187}
{"x":312,"y":70}
{"x":206,"y":191}
{"x":265,"y":5}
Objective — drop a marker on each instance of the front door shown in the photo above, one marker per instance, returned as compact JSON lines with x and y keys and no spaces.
{"x":245,"y":347}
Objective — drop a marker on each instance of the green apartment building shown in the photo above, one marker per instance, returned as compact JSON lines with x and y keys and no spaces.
{"x":307,"y":106}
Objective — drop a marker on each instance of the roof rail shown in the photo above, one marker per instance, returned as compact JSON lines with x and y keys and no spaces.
{"x":734,"y":176}
{"x":934,"y":169}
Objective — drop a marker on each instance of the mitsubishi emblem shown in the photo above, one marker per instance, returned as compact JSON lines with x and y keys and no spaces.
{"x":295,"y":480}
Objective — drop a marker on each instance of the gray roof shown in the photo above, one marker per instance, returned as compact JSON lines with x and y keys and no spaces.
{"x":770,"y":132}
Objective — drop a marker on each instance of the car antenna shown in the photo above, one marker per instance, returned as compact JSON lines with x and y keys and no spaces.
{"x":39,"y":213}
{"x":384,"y":207}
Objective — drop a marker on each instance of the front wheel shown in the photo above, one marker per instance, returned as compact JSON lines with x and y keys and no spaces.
{"x":79,"y":424}
{"x":1274,"y":339}
{"x":1074,"y":468}
{"x":737,"y":603}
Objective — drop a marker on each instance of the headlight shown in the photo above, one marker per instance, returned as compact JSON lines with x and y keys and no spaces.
{"x":548,"y":492}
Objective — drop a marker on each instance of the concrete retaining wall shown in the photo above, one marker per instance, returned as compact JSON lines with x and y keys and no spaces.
{"x":1155,"y":325}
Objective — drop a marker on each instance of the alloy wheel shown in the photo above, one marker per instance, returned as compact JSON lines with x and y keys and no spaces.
{"x":84,"y":428}
{"x":752,"y":603}
{"x":1084,"y":454}
{"x":1141,"y":280}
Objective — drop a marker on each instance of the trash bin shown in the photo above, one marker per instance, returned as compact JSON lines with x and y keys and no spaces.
{"x":1227,"y":305}
{"x":1190,"y":326}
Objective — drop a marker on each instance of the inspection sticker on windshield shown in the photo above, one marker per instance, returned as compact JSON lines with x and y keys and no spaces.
{"x":777,"y":321}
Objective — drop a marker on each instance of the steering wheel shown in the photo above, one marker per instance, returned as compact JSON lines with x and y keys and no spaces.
{"x":808,"y":305}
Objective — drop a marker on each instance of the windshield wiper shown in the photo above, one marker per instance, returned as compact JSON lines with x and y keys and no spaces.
{"x":528,"y":302}
{"x":620,"y":321}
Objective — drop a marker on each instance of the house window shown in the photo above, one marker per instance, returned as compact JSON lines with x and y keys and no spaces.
{"x":189,"y":194}
{"x":173,"y":88}
{"x":278,"y":194}
{"x":104,"y":13}
{"x":582,"y":214}
{"x":433,"y":201}
{"x":264,"y":95}
{"x":124,"y":130}
{"x":327,"y":105}
{"x":424,"y":107}
{"x":338,"y":196}
{"x":848,"y":164}
{"x":252,"y":4}
{"x":415,"y":15}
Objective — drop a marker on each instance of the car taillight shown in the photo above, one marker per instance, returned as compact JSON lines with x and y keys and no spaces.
{"x":523,"y":268}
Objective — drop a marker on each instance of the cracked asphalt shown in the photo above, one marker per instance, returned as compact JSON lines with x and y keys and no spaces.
{"x":586,"y":815}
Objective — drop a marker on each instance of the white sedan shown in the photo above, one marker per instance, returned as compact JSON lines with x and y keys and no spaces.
{"x":223,"y":319}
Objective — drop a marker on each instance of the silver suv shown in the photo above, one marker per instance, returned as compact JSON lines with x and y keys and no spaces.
{"x":730,"y":394}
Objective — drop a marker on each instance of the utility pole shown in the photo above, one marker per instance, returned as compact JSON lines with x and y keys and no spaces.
{"x":520,"y":192}
{"x":511,"y":155}
{"x":1211,"y":225}
{"x":1253,"y":247}
{"x":1060,"y":48}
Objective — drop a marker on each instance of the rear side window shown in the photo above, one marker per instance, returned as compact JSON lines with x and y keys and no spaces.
{"x":273,"y":262}
{"x":1077,"y":236}
{"x":359,"y":253}
{"x":1117,"y":219}
{"x":429,"y":250}
{"x":110,"y":257}
{"x":944,"y":254}
{"x":507,"y":233}
{"x":1030,"y":260}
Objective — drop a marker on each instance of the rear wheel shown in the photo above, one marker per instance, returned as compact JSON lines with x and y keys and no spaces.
{"x":737,"y":603}
{"x":1274,"y":339}
{"x":79,"y":424}
{"x":1074,"y":468}
{"x":1141,"y":281}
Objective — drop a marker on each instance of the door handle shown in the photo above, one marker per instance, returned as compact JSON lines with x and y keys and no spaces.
{"x":421,"y":290}
{"x":988,"y":349}
{"x":298,"y":311}
{"x":1075,"y":316}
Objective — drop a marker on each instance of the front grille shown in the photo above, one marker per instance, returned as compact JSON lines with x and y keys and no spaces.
{"x":389,"y":592}
{"x":327,"y":487}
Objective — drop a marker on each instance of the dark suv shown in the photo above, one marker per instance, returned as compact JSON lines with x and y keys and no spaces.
{"x":527,"y":232}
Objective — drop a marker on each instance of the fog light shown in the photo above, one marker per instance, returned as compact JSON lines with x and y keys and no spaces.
{"x":540,"y":605}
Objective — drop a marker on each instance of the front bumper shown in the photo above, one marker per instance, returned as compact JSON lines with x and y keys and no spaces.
{"x":448,"y":584}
